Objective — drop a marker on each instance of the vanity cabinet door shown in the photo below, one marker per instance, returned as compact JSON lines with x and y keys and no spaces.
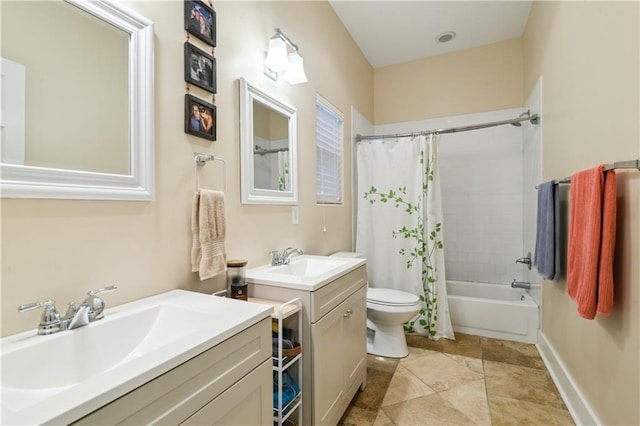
{"x":247,"y":402}
{"x":339,"y":357}
{"x":355,"y":335}
{"x":328,"y":373}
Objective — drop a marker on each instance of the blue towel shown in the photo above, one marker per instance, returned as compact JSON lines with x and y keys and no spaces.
{"x":547,"y":253}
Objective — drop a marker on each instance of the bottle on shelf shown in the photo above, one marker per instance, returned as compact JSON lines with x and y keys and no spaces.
{"x":236,"y":284}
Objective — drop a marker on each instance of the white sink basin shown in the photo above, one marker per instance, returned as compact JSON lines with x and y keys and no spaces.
{"x":307,"y":267}
{"x":305,"y":272}
{"x":63,"y":376}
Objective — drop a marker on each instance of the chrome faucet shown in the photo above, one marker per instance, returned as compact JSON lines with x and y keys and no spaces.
{"x":284,"y":258}
{"x":76,"y":317}
{"x":289,"y":252}
{"x":91,"y":309}
{"x":520,"y":284}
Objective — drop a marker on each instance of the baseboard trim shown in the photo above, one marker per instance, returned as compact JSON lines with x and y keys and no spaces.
{"x":574,"y":399}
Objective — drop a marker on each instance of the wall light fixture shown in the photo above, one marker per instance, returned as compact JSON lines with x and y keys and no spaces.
{"x":278,"y":60}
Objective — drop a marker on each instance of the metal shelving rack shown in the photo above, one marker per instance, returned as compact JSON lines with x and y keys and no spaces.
{"x":281,"y":311}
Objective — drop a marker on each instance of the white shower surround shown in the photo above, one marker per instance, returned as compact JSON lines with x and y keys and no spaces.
{"x":482,"y":183}
{"x":532,"y":176}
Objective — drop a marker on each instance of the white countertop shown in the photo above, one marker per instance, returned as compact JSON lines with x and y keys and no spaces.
{"x":320,"y":271}
{"x":211,"y":320}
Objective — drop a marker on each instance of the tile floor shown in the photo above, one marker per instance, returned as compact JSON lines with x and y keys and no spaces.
{"x":470,"y":381}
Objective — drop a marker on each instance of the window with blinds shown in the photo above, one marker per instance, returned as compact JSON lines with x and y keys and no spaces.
{"x":329,"y":133}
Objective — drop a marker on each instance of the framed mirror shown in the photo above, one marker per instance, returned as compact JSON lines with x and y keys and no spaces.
{"x":77,"y":111}
{"x":268,"y":148}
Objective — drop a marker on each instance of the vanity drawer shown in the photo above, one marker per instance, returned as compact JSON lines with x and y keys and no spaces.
{"x":176,"y":395}
{"x":331,"y":295}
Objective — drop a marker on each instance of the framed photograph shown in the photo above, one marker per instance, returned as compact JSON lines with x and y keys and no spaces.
{"x":200,"y":20}
{"x":199,"y":68}
{"x":200,"y":118}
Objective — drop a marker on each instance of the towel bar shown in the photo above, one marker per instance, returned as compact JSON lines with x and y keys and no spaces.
{"x":201,"y":160}
{"x":631,"y":164}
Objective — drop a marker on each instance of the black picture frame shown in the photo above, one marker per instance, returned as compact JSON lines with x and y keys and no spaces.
{"x":199,"y":68}
{"x":195,"y":122}
{"x":200,"y":20}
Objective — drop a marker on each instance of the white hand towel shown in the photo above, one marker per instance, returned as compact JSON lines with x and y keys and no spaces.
{"x":208,"y":227}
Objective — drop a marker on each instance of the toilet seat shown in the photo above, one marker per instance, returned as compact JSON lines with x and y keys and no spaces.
{"x":390,"y":297}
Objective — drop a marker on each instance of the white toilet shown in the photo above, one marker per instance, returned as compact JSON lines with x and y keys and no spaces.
{"x":387,"y":311}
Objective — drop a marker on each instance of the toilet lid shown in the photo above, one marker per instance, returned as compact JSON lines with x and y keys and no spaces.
{"x":387,"y":296}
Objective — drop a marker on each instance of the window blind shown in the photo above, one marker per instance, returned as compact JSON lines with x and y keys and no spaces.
{"x":329,"y":133}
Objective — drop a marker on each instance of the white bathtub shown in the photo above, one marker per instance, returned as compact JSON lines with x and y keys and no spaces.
{"x":493,"y":310}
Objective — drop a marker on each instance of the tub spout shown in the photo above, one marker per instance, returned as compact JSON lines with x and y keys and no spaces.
{"x":520,"y":284}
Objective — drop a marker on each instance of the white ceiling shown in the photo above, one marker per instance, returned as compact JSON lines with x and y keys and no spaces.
{"x":391,"y":32}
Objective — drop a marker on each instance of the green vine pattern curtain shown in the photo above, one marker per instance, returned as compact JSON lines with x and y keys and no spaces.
{"x":399,"y":225}
{"x":283,"y":171}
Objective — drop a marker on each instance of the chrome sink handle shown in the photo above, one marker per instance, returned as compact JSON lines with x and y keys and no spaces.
{"x":106,"y":289}
{"x":50,"y":322}
{"x":95,"y":303}
{"x":276,"y":258}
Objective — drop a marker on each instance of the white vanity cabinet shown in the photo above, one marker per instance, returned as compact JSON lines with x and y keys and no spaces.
{"x":338,"y":357}
{"x":228,"y":384}
{"x":334,"y":342}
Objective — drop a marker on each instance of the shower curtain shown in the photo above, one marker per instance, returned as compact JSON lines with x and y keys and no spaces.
{"x":283,"y":171}
{"x":399,"y":225}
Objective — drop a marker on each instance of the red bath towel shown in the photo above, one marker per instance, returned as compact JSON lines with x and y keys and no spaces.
{"x":607,"y":245}
{"x":590,"y":251}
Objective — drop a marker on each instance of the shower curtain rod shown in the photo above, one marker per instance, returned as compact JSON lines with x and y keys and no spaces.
{"x":262,"y":151}
{"x":525,"y":116}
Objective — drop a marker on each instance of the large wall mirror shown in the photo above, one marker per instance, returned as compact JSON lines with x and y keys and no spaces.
{"x":77,"y":101}
{"x":268,"y":144}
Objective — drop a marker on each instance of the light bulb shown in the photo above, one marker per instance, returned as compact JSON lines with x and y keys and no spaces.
{"x":295,"y":69}
{"x":277,"y":55}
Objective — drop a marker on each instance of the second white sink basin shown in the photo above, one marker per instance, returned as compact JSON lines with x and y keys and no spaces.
{"x":306,"y":272}
{"x":308,"y":267}
{"x":61,"y":377}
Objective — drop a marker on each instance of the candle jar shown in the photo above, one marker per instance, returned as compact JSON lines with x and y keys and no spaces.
{"x":236,"y":284}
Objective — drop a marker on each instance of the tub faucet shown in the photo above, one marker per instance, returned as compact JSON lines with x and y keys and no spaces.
{"x":521,"y":284}
{"x":526,"y":260}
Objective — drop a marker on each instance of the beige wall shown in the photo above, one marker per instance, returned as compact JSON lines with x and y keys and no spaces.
{"x":76,"y":97}
{"x":62,"y":249}
{"x":587,"y":54}
{"x":480,"y":79}
{"x":269,"y":124}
